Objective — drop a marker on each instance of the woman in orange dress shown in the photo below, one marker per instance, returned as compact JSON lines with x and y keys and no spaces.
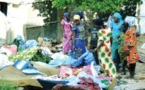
{"x":131,"y":50}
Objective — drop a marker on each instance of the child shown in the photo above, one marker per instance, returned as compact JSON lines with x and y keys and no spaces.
{"x":130,"y":50}
{"x":92,"y":43}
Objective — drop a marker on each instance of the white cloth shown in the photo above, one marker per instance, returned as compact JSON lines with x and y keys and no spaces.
{"x":4,"y":60}
{"x":131,"y":20}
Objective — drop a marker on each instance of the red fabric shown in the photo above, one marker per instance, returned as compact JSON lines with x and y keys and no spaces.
{"x":66,"y":71}
{"x":85,"y":83}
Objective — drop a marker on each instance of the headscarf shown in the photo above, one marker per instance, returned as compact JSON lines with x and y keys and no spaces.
{"x":81,"y":14}
{"x":65,"y":14}
{"x":116,"y":27}
{"x":76,"y":17}
{"x":118,"y":16}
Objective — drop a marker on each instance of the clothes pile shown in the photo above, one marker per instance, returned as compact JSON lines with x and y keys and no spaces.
{"x":34,"y":63}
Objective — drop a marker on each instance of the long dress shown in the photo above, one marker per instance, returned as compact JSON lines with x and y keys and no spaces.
{"x":66,"y":35}
{"x":104,"y":52}
{"x":79,"y":43}
{"x":130,"y":41}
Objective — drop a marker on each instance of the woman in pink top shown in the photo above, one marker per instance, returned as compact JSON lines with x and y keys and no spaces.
{"x":67,"y":33}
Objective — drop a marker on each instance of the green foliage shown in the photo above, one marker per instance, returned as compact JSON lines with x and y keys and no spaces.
{"x":41,"y":57}
{"x":96,"y":5}
{"x":45,"y":10}
{"x":7,"y":86}
{"x":103,"y":7}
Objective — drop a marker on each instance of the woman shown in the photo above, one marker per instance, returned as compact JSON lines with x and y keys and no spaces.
{"x":104,"y":51}
{"x":131,"y":50}
{"x":116,"y":30}
{"x":78,"y":37}
{"x":66,"y":22}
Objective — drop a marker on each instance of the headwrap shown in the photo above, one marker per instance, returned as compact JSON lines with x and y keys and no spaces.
{"x":118,"y":16}
{"x":65,"y":14}
{"x":76,"y":17}
{"x":81,"y":14}
{"x":98,"y":21}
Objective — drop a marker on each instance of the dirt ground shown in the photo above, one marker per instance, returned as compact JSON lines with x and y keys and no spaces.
{"x":139,"y":82}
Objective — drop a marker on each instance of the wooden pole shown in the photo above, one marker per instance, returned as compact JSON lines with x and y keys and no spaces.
{"x":139,"y":17}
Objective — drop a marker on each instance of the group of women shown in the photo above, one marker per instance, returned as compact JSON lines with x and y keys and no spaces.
{"x":106,"y":42}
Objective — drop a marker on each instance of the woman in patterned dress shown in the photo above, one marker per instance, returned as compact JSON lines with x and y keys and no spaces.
{"x":66,"y":23}
{"x":131,"y":50}
{"x":104,"y":51}
{"x":78,"y":37}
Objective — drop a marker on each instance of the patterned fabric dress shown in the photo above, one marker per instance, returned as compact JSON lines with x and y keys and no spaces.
{"x":79,"y":43}
{"x":104,"y":52}
{"x":120,"y":40}
{"x":130,"y":41}
{"x":66,"y":35}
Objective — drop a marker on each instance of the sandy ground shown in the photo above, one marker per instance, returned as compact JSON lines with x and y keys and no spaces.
{"x":134,"y":84}
{"x":139,"y":82}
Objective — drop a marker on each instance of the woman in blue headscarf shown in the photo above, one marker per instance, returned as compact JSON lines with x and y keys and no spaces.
{"x":116,"y":30}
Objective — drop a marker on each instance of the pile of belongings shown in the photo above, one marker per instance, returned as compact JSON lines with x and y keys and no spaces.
{"x":35,"y":63}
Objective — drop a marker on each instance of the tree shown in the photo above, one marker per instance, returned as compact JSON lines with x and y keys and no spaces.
{"x":102,"y":7}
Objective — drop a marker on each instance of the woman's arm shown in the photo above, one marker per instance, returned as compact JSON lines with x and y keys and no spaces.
{"x":101,"y":43}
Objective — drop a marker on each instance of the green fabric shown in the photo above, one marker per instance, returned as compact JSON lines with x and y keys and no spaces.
{"x":120,"y":39}
{"x":24,"y":55}
{"x":104,"y":53}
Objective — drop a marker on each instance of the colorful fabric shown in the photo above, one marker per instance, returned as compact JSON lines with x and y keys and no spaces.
{"x":104,"y":52}
{"x":130,"y":44}
{"x":66,"y":35}
{"x":24,"y":55}
{"x":66,"y":71}
{"x":83,"y":60}
{"x":80,"y":31}
{"x":79,"y":43}
{"x":83,"y":84}
{"x":120,"y":40}
{"x":9,"y":50}
{"x":115,"y":32}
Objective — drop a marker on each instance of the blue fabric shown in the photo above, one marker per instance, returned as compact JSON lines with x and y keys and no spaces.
{"x":31,"y":44}
{"x":60,"y":62}
{"x":116,"y":26}
{"x":21,"y":41}
{"x":77,"y":32}
{"x":84,"y":60}
{"x":116,"y":30}
{"x":81,"y":14}
{"x":79,"y":44}
{"x":26,"y":67}
{"x":65,"y":14}
{"x":26,"y":45}
{"x":79,"y":47}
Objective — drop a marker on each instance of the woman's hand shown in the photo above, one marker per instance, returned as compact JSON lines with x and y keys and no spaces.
{"x":64,"y":36}
{"x":126,"y":53}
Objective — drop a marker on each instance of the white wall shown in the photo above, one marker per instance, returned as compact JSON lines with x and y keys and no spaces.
{"x":20,"y":15}
{"x":142,"y":14}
